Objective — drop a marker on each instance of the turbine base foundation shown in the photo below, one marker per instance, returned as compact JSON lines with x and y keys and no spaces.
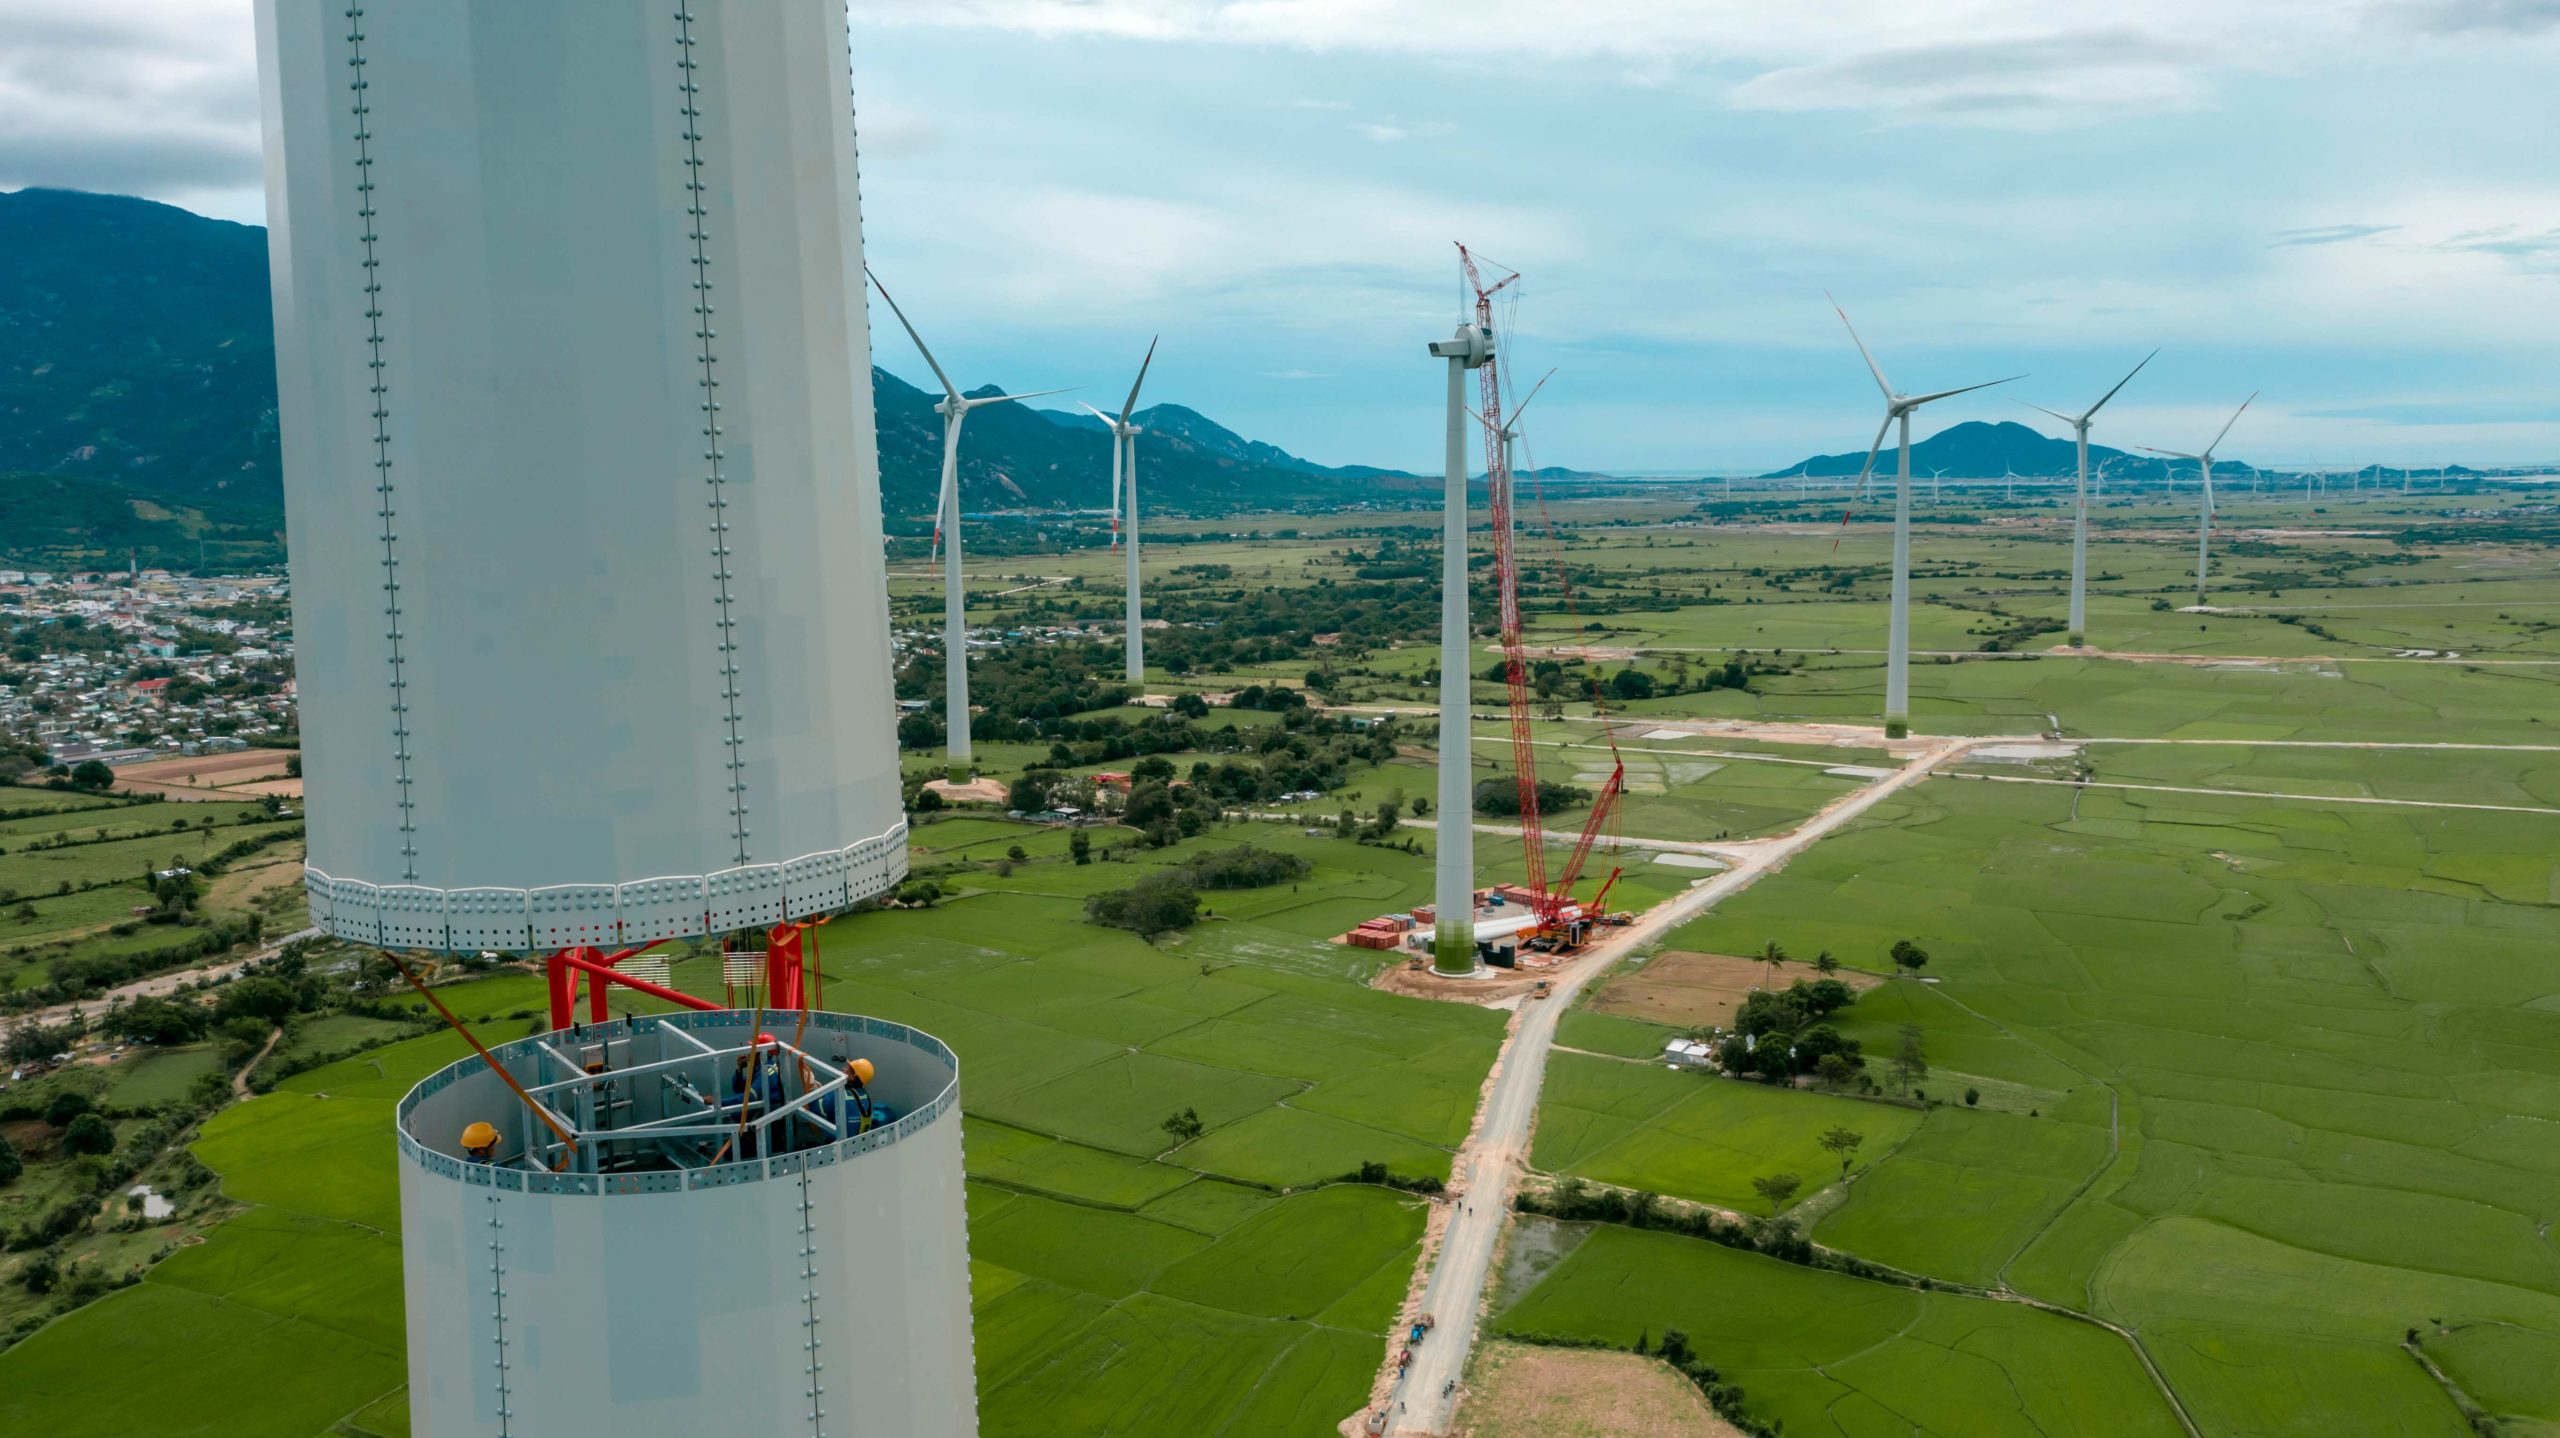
{"x":1897,"y":728}
{"x":1453,"y":954}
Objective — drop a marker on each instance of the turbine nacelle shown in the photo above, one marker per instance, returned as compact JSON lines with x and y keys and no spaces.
{"x":1471,"y":346}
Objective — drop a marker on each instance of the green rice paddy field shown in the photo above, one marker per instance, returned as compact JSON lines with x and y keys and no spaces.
{"x":2266,"y":1080}
{"x":2294,"y":1072}
{"x":1121,"y":1285}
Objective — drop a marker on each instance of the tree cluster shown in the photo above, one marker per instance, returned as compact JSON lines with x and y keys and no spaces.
{"x":1780,"y":1034}
{"x":1242,"y":867}
{"x":1021,"y":691}
{"x":1157,"y":904}
{"x":1499,"y":797}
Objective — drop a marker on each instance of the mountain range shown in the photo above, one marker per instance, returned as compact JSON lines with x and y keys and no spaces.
{"x":137,"y":402}
{"x":1976,"y":450}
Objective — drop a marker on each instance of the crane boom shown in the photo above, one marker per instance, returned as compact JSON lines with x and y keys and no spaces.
{"x":1600,"y":808}
{"x":1506,"y":565}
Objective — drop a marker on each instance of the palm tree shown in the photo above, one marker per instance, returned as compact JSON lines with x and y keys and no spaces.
{"x":1773,"y":956}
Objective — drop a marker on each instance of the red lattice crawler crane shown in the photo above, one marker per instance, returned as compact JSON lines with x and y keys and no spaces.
{"x":1562,"y":924}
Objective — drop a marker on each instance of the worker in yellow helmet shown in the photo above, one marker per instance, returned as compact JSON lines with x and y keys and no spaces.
{"x":866,"y":1114}
{"x":480,"y":1142}
{"x":854,"y":1112}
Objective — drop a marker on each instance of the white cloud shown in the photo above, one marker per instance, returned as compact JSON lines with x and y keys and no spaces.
{"x":2011,"y":58}
{"x":894,"y":130}
{"x":2020,"y":79}
{"x":154,"y":97}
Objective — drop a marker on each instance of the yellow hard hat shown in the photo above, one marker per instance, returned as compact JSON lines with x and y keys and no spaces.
{"x":480,"y":1135}
{"x":860,"y":1069}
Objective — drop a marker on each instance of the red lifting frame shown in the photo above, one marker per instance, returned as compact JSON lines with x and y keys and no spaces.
{"x":784,"y":978}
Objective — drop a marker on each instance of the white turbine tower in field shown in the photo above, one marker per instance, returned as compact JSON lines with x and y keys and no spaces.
{"x":2204,"y":506}
{"x":1124,"y":482}
{"x":2080,"y":506}
{"x":1454,"y":880}
{"x":954,"y":408}
{"x":1897,"y":409}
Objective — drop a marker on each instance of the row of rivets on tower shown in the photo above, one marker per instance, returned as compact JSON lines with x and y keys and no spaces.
{"x":362,"y":111}
{"x":498,"y":1309}
{"x":704,"y":332}
{"x":809,"y":1299}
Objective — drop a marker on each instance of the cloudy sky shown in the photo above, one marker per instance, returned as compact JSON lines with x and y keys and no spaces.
{"x":2352,"y":205}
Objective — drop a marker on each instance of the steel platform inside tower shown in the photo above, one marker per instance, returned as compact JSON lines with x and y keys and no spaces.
{"x":654,"y":1247}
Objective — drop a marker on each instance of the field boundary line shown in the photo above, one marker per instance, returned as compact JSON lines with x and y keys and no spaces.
{"x":1901,"y":1278}
{"x":2470,"y":1408}
{"x":2339,"y":744}
{"x":2256,"y":794}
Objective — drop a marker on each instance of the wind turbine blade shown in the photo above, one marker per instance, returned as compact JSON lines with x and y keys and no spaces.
{"x":1013,"y":398}
{"x":2128,"y":379}
{"x":1951,"y":393}
{"x":1872,"y":367}
{"x":1131,"y":406}
{"x":2057,"y":414}
{"x":1517,"y":409}
{"x":949,"y":389}
{"x":2235,"y":419}
{"x":1859,"y":492}
{"x":1115,"y":472}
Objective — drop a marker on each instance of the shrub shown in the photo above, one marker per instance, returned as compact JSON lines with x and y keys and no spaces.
{"x":1156,"y":904}
{"x":1499,"y":797}
{"x":1242,"y":867}
{"x":67,"y":1107}
{"x":89,"y":1134}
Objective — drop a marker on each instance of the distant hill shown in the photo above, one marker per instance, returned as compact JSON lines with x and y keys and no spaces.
{"x":1979,"y":450}
{"x":137,"y":378}
{"x":1210,"y":439}
{"x":1013,"y":456}
{"x":135,"y":345}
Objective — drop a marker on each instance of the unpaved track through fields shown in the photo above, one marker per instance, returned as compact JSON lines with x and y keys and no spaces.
{"x":161,"y":985}
{"x":1497,"y":1149}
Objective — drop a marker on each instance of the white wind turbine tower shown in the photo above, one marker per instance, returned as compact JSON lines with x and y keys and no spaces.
{"x":2080,"y":507}
{"x":1454,"y":879}
{"x":1124,"y":481}
{"x":954,"y":408}
{"x":2204,"y":508}
{"x":1934,"y":494}
{"x":1897,"y":409}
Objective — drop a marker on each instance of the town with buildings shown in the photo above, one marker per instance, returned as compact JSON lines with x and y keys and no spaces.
{"x":124,"y":668}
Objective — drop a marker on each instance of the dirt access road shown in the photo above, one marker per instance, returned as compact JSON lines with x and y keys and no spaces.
{"x":162,"y":985}
{"x":1423,"y":1401}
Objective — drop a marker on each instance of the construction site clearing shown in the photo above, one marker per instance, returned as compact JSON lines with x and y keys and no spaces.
{"x":231,"y":775}
{"x":1513,"y":928}
{"x":1685,"y":990}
